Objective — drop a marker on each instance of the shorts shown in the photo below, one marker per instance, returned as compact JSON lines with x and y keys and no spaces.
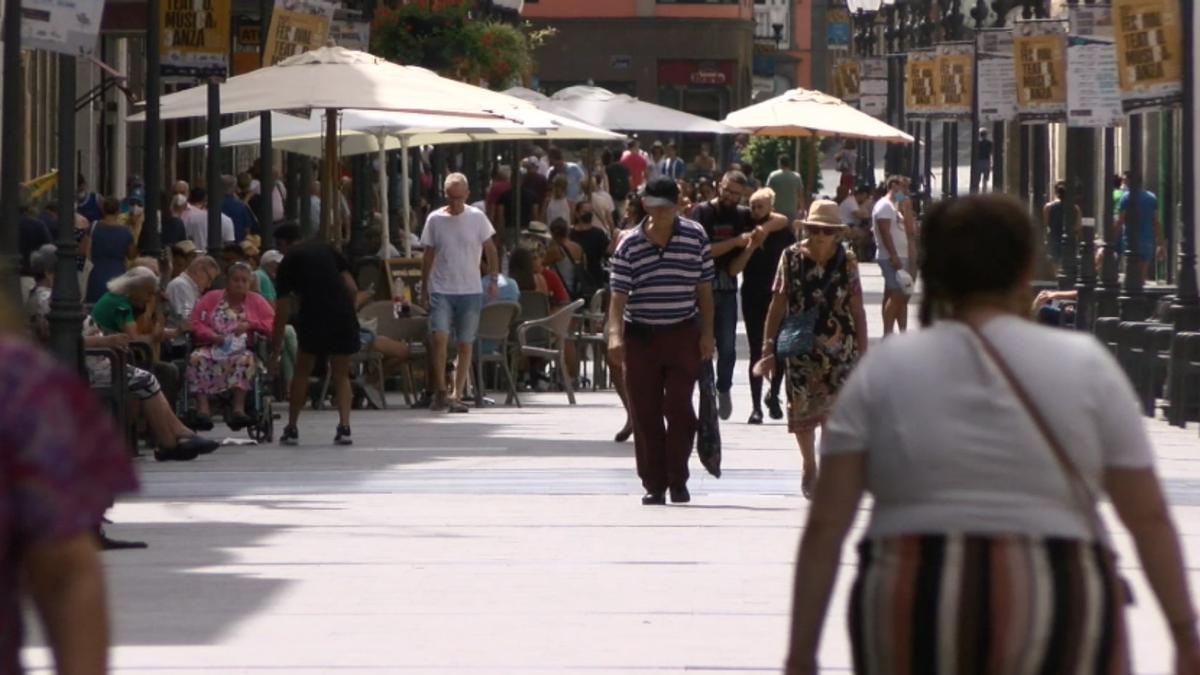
{"x":327,"y":336}
{"x":365,"y":338}
{"x":984,"y":167}
{"x":1146,"y":245}
{"x":142,"y":384}
{"x":455,"y":315}
{"x":891,"y":282}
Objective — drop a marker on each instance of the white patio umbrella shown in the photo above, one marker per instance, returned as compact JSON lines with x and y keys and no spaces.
{"x":333,"y":78}
{"x":803,"y":112}
{"x":621,"y":112}
{"x":373,"y":131}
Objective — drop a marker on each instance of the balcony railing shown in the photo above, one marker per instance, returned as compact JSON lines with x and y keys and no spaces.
{"x":766,"y":17}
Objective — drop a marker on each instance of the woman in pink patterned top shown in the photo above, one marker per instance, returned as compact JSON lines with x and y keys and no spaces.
{"x":62,"y":463}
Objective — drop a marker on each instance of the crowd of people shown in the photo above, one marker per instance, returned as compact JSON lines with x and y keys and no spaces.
{"x":681,"y":258}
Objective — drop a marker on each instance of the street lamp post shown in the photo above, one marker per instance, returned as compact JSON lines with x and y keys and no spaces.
{"x":12,"y":141}
{"x":266,"y":154}
{"x":66,"y":310}
{"x":151,"y":239}
{"x":1187,"y":301}
{"x":925,"y":31}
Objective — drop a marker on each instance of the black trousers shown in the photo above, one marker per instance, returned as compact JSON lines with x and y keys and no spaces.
{"x":755,"y":303}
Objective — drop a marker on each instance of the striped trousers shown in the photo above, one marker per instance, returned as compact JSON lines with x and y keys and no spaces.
{"x":987,"y":605}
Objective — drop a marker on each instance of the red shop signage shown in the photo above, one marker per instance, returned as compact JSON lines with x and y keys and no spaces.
{"x":689,"y":72}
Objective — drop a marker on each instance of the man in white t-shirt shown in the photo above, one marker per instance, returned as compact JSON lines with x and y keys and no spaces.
{"x":455,"y":237}
{"x":894,"y":236}
{"x":195,"y":222}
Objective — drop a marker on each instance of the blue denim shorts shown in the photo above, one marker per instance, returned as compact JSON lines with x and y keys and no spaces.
{"x":455,"y":315}
{"x":891,"y":282}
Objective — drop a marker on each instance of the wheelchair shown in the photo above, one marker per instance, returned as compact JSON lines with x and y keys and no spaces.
{"x":258,"y":400}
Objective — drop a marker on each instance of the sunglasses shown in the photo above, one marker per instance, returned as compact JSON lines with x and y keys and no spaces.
{"x":821,"y":230}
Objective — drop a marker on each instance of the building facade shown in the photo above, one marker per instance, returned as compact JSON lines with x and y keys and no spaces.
{"x":693,"y":56}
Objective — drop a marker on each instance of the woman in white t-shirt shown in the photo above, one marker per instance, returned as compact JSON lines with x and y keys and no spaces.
{"x":983,"y":441}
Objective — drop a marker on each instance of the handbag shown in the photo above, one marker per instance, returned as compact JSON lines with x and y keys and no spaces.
{"x":1082,"y":493}
{"x":797,"y":332}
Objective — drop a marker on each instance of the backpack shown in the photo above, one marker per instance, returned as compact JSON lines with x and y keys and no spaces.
{"x":582,"y":286}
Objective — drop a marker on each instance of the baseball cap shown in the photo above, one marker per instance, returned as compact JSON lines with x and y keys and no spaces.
{"x":660,"y":191}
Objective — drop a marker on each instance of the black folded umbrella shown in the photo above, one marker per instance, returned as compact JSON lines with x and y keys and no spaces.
{"x":708,"y":432}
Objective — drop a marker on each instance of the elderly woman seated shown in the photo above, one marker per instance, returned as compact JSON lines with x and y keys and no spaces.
{"x":223,"y":324}
{"x":112,"y":325}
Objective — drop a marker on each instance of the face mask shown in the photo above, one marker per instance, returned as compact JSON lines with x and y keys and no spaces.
{"x":586,"y":218}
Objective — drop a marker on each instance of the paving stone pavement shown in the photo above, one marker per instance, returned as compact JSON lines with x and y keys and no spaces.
{"x":501,"y":541}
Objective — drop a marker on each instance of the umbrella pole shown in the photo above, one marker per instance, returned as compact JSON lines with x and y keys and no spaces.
{"x":405,"y":199}
{"x":329,"y":191}
{"x":383,"y":196}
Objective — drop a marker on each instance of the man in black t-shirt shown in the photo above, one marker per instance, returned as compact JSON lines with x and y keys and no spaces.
{"x":618,"y":183}
{"x":314,"y":281}
{"x":729,"y":226}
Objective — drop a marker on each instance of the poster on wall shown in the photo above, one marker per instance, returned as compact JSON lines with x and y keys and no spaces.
{"x":64,"y":26}
{"x":195,"y":39}
{"x":837,"y":28}
{"x":955,"y":80}
{"x":1094,"y":95}
{"x":920,"y":83}
{"x":873,"y":86}
{"x":847,"y":80}
{"x":1149,"y":41}
{"x":297,"y":26}
{"x":1040,"y":63}
{"x":997,"y":76}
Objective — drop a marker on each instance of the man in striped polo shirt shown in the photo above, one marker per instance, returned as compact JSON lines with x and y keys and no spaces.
{"x":660,"y":325}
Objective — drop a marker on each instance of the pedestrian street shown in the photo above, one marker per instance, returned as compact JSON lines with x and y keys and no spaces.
{"x":501,"y":541}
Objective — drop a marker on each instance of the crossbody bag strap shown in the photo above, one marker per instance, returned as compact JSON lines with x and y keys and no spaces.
{"x":1085,"y":498}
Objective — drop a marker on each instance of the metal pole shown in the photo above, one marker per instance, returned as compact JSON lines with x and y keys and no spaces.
{"x":215,"y":188}
{"x":953,"y":159}
{"x":1134,"y":304}
{"x":1187,"y":303}
{"x":266,"y":152}
{"x":947,"y":167}
{"x":405,"y":198}
{"x":999,"y":138}
{"x":383,"y":193}
{"x":328,"y":188}
{"x":12,"y":141}
{"x":305,"y":192}
{"x":66,"y":312}
{"x":1110,"y":283}
{"x":926,"y":179}
{"x":151,"y":239}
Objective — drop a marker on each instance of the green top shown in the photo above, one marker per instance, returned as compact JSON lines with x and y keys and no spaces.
{"x":113,"y":312}
{"x":786,"y":184}
{"x":266,"y":287}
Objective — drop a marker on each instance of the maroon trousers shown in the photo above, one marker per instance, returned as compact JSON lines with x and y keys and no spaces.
{"x":661,"y":369}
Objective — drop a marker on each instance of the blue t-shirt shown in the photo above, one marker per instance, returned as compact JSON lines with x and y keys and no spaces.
{"x":1143,"y":213}
{"x":575,"y":176}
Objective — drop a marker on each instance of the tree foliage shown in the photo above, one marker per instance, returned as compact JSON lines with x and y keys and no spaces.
{"x":447,"y":40}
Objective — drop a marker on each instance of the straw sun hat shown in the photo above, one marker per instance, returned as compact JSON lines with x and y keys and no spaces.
{"x":823,"y":213}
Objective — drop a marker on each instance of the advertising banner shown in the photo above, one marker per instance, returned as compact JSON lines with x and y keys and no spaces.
{"x":1149,"y":42}
{"x":955,"y":80}
{"x":195,"y":39}
{"x":297,"y":26}
{"x":920,"y":83}
{"x":847,"y":76}
{"x":1040,"y":60}
{"x":1094,"y":96}
{"x":873,"y":86}
{"x":997,"y":76}
{"x":838,"y":28}
{"x":64,"y":26}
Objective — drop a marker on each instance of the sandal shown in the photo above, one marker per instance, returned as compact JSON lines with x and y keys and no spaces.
{"x":202,"y":422}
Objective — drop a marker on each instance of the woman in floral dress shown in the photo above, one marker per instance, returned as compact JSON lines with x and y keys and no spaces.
{"x":224,"y":324}
{"x":818,"y":272}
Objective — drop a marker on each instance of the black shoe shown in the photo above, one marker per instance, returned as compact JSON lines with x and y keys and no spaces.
{"x":773,"y":407}
{"x":424,"y":401}
{"x":624,"y":434}
{"x":755,"y":417}
{"x":202,"y":423}
{"x":109,"y":544}
{"x":290,"y":436}
{"x":343,"y":436}
{"x":183,"y":452}
{"x":654,"y":499}
{"x":202,"y":446}
{"x":680,"y":495}
{"x":239,"y":422}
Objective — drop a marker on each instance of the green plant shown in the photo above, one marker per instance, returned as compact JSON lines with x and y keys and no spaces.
{"x":763,"y":153}
{"x":448,"y":41}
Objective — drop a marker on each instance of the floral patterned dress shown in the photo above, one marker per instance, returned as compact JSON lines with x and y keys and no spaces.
{"x":216,"y":369}
{"x":814,"y":379}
